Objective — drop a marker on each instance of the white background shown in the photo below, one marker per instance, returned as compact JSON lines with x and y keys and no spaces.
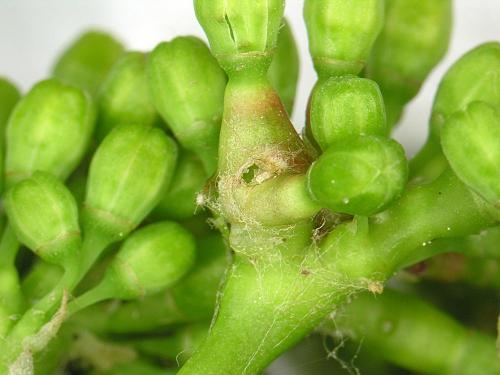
{"x":32,"y":32}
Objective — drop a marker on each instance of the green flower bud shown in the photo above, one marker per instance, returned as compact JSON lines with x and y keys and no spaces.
{"x":359,"y":177}
{"x":187,"y":86}
{"x":474,"y":77}
{"x":341,"y":33}
{"x":151,"y":259}
{"x":413,"y":40}
{"x":240,"y":31}
{"x":284,"y":70}
{"x":179,"y":202}
{"x":124,"y":96}
{"x":471,"y":143}
{"x":9,"y":95}
{"x":49,"y":130}
{"x":346,"y":107}
{"x":127,"y":176}
{"x":44,"y":217}
{"x":191,"y":299}
{"x":87,"y":61}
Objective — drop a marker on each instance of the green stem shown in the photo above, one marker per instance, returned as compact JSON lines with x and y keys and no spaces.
{"x":93,"y":296}
{"x":35,"y":318}
{"x":94,"y":243}
{"x":428,"y":164}
{"x":291,"y":201}
{"x":11,"y":298}
{"x":9,"y":247}
{"x":274,"y":299}
{"x":415,"y":335}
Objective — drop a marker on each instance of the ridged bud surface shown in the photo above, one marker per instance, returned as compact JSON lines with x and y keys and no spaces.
{"x":346,"y":107}
{"x":359,"y":177}
{"x":44,"y":216}
{"x":151,"y":259}
{"x":474,"y":77}
{"x":49,"y":130}
{"x":128,"y":173}
{"x":241,"y":29}
{"x":187,"y":86}
{"x":125,"y":96}
{"x":471,"y":143}
{"x":341,"y":33}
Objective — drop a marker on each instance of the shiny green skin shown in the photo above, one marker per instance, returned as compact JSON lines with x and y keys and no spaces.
{"x":341,"y":33}
{"x":87,"y":60}
{"x":471,"y":143}
{"x":49,"y":130}
{"x":414,"y":38}
{"x":283,"y":72}
{"x":239,"y":30}
{"x":9,"y":96}
{"x":473,"y":77}
{"x":179,"y":202}
{"x":346,"y":107}
{"x":359,"y":177}
{"x":44,"y":216}
{"x":128,"y":174}
{"x":151,"y":259}
{"x":124,"y":97}
{"x":187,"y":86}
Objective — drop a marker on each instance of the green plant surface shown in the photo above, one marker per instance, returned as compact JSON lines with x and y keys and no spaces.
{"x":163,"y":214}
{"x":414,"y":334}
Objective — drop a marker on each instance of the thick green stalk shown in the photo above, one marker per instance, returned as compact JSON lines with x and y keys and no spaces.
{"x":270,"y":159}
{"x":274,"y":299}
{"x":415,"y":335}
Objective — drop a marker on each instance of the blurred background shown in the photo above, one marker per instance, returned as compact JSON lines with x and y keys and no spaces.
{"x":33,"y":32}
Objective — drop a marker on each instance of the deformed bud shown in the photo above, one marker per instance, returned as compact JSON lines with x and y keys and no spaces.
{"x":187,"y":86}
{"x":284,"y":70}
{"x":44,"y":216}
{"x":474,"y":77}
{"x":151,"y":259}
{"x":124,"y":96}
{"x":346,"y":107}
{"x":341,"y":33}
{"x":49,"y":130}
{"x":359,"y":177}
{"x":471,"y":143}
{"x":239,"y":30}
{"x":128,"y":173}
{"x":87,"y":61}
